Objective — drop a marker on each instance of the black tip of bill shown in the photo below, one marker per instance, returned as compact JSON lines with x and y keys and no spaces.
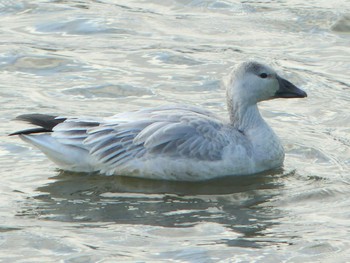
{"x":288,"y":90}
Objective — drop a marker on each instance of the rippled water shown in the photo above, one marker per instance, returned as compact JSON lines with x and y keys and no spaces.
{"x":102,"y":57}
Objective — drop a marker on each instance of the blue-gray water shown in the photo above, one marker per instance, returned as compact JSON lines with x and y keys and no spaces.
{"x":99,"y":58}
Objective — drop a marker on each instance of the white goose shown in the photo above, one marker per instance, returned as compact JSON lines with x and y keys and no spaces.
{"x":172,"y":142}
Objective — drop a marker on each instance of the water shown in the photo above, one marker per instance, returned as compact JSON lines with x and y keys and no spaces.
{"x":98,"y":58}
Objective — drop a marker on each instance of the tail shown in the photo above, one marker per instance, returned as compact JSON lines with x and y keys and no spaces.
{"x":45,"y":122}
{"x":66,"y":156}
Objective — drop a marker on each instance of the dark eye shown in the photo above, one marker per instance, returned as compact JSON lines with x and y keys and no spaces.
{"x":263,"y":75}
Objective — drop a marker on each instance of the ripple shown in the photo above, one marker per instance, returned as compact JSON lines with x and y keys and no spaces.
{"x":322,"y":192}
{"x":9,"y":7}
{"x":342,"y":25}
{"x":217,"y":5}
{"x":71,"y":57}
{"x":309,"y":154}
{"x":107,"y":91}
{"x":319,"y":248}
{"x":76,"y":26}
{"x":8,"y":229}
{"x":170,"y":58}
{"x":39,"y":64}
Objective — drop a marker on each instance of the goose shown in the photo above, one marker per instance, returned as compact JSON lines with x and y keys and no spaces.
{"x":172,"y":142}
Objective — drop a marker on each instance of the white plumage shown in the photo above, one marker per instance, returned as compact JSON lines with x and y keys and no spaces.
{"x":175,"y":142}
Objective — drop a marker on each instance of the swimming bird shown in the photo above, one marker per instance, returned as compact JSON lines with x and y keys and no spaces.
{"x":172,"y":142}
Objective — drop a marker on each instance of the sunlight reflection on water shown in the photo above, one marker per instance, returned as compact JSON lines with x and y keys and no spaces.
{"x":98,"y":58}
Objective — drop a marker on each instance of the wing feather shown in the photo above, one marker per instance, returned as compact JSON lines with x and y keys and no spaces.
{"x":146,"y":133}
{"x":111,"y":155}
{"x":180,"y":132}
{"x":168,"y":133}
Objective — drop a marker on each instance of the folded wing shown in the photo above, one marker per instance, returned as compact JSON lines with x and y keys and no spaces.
{"x":165,"y":131}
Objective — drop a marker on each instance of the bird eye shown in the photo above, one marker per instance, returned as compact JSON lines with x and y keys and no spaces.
{"x":263,"y":75}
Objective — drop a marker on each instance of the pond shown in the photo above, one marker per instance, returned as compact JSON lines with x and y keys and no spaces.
{"x":99,"y":58}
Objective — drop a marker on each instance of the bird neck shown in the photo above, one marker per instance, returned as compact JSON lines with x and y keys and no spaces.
{"x":244,"y":116}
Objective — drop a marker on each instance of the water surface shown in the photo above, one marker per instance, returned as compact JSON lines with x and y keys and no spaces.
{"x":98,"y":58}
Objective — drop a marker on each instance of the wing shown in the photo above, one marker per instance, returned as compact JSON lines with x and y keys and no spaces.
{"x":73,"y":131}
{"x":174,"y":131}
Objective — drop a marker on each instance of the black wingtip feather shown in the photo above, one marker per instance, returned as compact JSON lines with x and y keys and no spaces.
{"x":29,"y":131}
{"x":46,"y":122}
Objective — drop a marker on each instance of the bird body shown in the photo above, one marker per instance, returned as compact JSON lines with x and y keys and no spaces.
{"x":173,"y":142}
